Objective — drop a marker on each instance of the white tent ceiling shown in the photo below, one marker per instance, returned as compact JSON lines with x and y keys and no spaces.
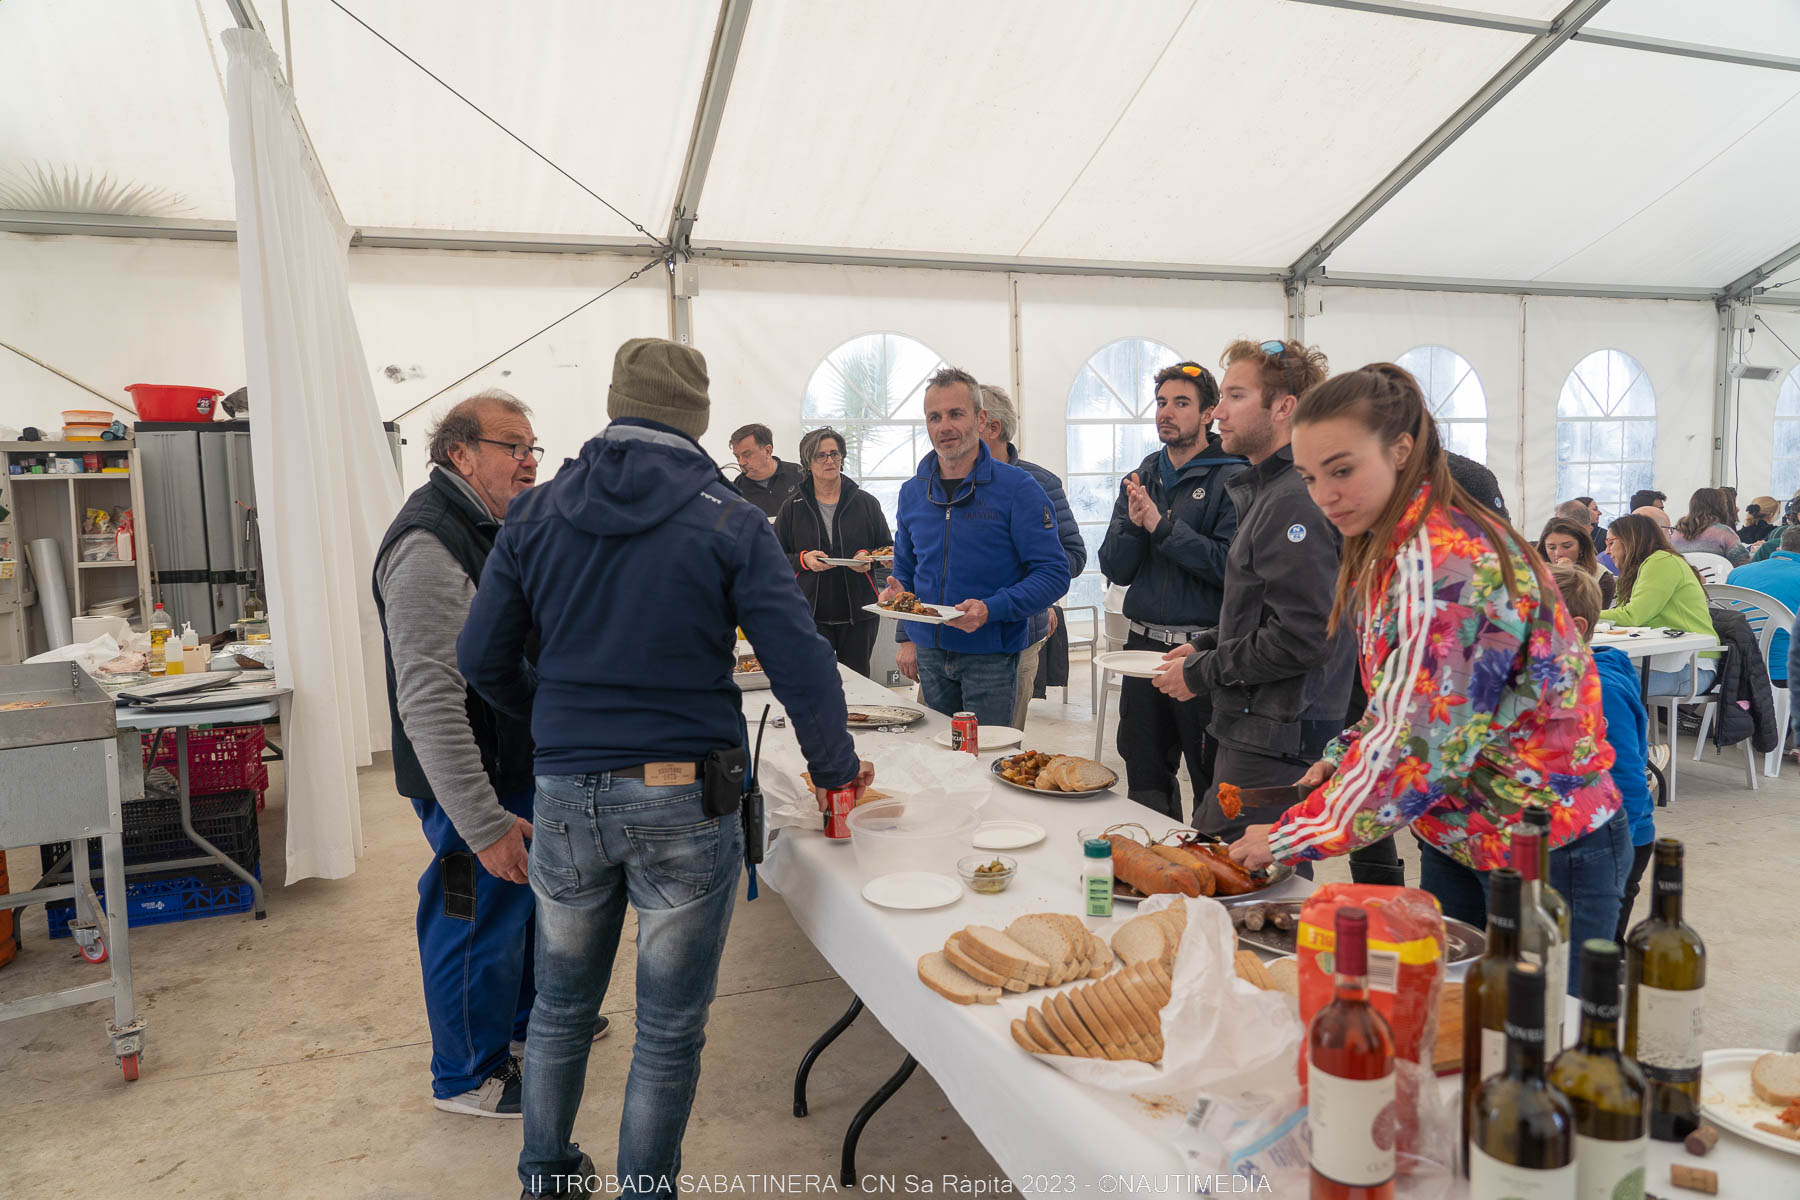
{"x":1177,"y":134}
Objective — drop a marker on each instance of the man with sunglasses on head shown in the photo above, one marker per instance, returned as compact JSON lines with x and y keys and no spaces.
{"x":977,"y":535}
{"x":466,"y":766}
{"x":1170,"y":532}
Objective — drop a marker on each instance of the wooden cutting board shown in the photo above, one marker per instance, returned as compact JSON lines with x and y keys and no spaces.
{"x":1448,"y":1055}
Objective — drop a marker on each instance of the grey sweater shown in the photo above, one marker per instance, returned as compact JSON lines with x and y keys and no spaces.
{"x":427,"y":596}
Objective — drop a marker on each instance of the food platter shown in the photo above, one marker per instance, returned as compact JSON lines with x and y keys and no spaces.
{"x":1139,"y":664}
{"x":934,"y":614}
{"x":749,"y":675}
{"x":1000,"y":764}
{"x":1462,"y":942}
{"x":1278,"y":874}
{"x":1727,"y":1098}
{"x":881,"y":716}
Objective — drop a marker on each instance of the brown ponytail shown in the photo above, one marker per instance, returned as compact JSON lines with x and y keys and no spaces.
{"x":1385,"y":399}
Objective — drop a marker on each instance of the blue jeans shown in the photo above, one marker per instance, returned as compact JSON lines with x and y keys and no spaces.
{"x":1589,"y":873}
{"x":475,"y":947}
{"x":984,"y":684}
{"x":601,"y":840}
{"x":1680,"y":683}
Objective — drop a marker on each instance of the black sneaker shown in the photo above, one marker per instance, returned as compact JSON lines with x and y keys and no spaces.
{"x":602,"y":1027}
{"x":498,"y":1095}
{"x":584,"y":1174}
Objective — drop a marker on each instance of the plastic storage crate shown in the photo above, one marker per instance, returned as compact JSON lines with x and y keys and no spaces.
{"x":168,"y":897}
{"x":153,"y":831}
{"x":220,"y":759}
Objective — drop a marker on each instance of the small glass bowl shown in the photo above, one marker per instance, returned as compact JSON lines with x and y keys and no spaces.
{"x":988,"y":883}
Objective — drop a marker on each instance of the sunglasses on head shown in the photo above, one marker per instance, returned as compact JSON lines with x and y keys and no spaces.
{"x":1275,"y":348}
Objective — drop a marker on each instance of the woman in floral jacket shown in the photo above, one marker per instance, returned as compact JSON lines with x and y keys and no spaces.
{"x":1483,"y":697}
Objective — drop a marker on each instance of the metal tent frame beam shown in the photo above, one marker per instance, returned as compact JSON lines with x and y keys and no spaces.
{"x":1527,"y":60}
{"x":834,"y":256}
{"x":1745,"y":285}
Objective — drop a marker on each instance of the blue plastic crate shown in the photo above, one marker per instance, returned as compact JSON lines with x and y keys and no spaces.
{"x":162,"y":900}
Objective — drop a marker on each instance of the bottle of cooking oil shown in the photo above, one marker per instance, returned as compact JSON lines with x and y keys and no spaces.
{"x":160,"y":629}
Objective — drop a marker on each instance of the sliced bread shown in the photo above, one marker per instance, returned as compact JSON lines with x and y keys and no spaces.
{"x":1021,"y":1033}
{"x":1099,"y":1022}
{"x":1775,"y":1078}
{"x":1065,"y":1037}
{"x":1141,"y":939}
{"x":1065,"y":1008}
{"x":1045,"y":936}
{"x":1086,"y":775}
{"x":998,"y":952}
{"x":960,"y":959}
{"x":936,"y":973}
{"x":1040,"y":1029}
{"x":1100,"y":956}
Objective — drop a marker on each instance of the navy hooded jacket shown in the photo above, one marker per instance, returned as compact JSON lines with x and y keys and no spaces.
{"x":990,"y":536}
{"x":637,"y":564}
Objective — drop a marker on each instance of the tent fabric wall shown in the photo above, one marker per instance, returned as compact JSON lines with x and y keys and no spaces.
{"x":764,"y":327}
{"x":1677,"y":344}
{"x":1355,"y":326}
{"x":1749,"y":448}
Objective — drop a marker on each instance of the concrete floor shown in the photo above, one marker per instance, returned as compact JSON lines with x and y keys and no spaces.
{"x":288,"y":1057}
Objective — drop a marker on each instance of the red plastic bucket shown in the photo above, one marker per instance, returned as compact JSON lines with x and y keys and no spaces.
{"x":173,"y":402}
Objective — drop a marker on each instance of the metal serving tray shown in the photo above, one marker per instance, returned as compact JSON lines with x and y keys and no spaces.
{"x":78,"y":710}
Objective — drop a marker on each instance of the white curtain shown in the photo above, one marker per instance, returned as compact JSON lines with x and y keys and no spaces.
{"x":325,"y":482}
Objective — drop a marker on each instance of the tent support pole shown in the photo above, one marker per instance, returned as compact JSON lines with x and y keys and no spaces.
{"x":1527,"y":60}
{"x":1721,"y":407}
{"x":1296,"y":311}
{"x":721,"y":65}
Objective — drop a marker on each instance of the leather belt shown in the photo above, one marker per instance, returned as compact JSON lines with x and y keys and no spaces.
{"x":637,"y":772}
{"x":1168,"y":635}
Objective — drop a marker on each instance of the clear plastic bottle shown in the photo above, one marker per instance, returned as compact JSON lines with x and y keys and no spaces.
{"x":1097,"y":878}
{"x":160,"y":629}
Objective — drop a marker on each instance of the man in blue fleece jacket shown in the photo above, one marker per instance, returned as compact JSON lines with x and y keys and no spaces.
{"x":634,"y":566}
{"x":977,"y":535}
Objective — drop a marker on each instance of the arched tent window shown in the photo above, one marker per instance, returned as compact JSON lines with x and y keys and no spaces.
{"x":1454,"y":392}
{"x":1111,"y":414}
{"x":1605,"y":430}
{"x":1785,"y":472}
{"x":872,"y":390}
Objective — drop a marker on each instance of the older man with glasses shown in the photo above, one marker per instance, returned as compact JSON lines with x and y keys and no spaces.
{"x":466,"y":766}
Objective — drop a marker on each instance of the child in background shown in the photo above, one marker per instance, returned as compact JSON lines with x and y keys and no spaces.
{"x":1621,"y":699}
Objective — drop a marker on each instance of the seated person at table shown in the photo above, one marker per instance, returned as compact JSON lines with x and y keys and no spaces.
{"x":1707,"y":528}
{"x":1761,"y":515}
{"x":1658,"y":589}
{"x":1621,"y":697}
{"x":1483,"y":698}
{"x":1777,"y":576}
{"x":1564,"y":541}
{"x":977,"y":535}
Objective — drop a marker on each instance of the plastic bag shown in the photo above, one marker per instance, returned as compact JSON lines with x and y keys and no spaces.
{"x":89,"y":654}
{"x":902,"y":768}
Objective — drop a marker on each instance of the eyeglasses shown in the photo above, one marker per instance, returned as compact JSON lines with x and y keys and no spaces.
{"x":518,"y":450}
{"x":825,"y":456}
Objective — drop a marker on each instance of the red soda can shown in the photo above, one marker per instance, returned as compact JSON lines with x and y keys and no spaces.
{"x":839,"y":803}
{"x":965,"y":733}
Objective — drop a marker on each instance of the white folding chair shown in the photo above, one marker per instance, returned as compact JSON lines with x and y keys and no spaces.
{"x":1693,"y":697}
{"x":1767,"y":617}
{"x":1114,"y":630}
{"x":1713,"y":568}
{"x":1088,"y":641}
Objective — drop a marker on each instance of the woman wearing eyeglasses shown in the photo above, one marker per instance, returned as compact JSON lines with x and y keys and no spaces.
{"x":831,"y":517}
{"x":1483,"y":698}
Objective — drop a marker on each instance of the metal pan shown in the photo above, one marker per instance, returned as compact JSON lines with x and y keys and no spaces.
{"x":1027,"y":788}
{"x":1462,"y":942}
{"x":881,"y":716}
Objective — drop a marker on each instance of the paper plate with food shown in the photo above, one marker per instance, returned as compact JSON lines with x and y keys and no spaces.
{"x":1062,"y":775}
{"x":908,"y":607}
{"x":1755,"y":1094}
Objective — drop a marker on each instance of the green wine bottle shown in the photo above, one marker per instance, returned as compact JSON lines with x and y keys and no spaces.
{"x":1538,"y":818}
{"x":1609,"y":1094}
{"x":1522,"y":1130}
{"x":1666,"y":964}
{"x":1484,"y":993}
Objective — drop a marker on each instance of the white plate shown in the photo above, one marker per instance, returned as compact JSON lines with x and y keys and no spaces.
{"x":929,"y":620}
{"x":1007,"y":835}
{"x":1139,"y":664}
{"x":851,"y":562}
{"x":990,"y":737}
{"x":1726,"y":1097}
{"x":912,"y":889}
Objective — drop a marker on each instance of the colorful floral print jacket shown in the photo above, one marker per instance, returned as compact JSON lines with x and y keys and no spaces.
{"x":1479,"y":705}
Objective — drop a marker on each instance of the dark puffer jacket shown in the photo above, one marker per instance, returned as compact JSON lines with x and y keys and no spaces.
{"x":1746,"y":701}
{"x":837,"y":596}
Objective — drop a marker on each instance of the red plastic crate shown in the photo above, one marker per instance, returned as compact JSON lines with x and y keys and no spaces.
{"x":223,"y":758}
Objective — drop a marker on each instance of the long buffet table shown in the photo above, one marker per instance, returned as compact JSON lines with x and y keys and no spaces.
{"x":1045,"y":1130}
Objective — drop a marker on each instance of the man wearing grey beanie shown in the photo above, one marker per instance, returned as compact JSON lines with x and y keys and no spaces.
{"x":635,"y":565}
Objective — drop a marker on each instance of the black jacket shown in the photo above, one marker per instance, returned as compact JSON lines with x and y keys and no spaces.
{"x":771,"y":493}
{"x":837,"y":596}
{"x":467,"y":531}
{"x":1746,"y":701}
{"x":1270,"y":665}
{"x":1755,"y":532}
{"x":1177,"y":574}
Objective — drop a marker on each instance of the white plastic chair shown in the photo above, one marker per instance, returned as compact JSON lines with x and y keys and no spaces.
{"x":1767,"y":617}
{"x":1115,"y":629}
{"x":1713,"y":568}
{"x":1089,"y":641}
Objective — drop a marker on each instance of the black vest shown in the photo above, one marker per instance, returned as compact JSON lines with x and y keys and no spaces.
{"x":467,"y":531}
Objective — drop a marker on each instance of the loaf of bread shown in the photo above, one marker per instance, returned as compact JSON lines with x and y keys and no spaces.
{"x":1118,"y":1018}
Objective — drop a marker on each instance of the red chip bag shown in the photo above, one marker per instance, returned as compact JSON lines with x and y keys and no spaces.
{"x":1406,"y":973}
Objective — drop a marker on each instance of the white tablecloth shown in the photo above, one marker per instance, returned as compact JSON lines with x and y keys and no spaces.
{"x":1040,"y":1126}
